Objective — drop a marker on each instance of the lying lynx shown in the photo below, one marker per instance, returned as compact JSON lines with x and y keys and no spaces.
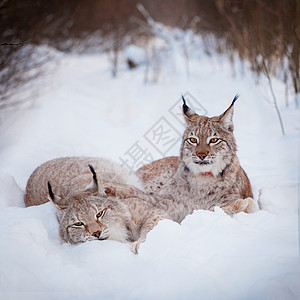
{"x":89,"y":213}
{"x":72,"y":173}
{"x":206,"y":174}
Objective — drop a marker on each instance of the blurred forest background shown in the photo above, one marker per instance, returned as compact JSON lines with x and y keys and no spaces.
{"x":266,"y":33}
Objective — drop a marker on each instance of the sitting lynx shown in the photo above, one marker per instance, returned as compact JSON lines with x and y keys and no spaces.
{"x":89,"y":213}
{"x":207,"y":172}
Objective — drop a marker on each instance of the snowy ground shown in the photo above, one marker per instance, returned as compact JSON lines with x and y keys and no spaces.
{"x":84,"y":111}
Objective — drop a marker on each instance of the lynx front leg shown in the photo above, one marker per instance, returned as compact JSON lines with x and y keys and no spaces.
{"x":252,"y":206}
{"x":149,"y":223}
{"x":247,"y":205}
{"x":123,"y":191}
{"x":136,"y":245}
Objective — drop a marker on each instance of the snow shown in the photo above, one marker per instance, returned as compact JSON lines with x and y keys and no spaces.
{"x":83,"y":111}
{"x":135,"y":54}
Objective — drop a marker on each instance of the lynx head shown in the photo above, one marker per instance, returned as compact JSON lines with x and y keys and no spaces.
{"x":208,"y":144}
{"x":90,"y":214}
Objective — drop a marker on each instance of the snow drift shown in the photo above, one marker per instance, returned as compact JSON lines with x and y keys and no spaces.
{"x":210,"y":255}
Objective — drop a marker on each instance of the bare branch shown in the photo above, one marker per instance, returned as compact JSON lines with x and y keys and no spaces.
{"x":273,"y":95}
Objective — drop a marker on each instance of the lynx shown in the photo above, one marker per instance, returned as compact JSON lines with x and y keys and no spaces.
{"x":206,"y":174}
{"x":89,"y":213}
{"x":72,"y":173}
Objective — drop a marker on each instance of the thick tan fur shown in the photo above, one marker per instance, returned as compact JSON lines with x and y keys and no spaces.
{"x":85,"y":208}
{"x":68,"y":174}
{"x":205,"y":174}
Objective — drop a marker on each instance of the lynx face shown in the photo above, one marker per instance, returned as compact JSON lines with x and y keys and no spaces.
{"x":208,"y":144}
{"x":92,"y":217}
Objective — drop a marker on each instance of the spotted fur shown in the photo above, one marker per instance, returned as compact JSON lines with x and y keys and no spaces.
{"x":86,"y":209}
{"x":206,"y":174}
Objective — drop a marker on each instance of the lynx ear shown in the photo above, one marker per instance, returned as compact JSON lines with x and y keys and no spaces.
{"x":188,"y":113}
{"x":96,"y":184}
{"x":54,"y":199}
{"x":227,"y":116}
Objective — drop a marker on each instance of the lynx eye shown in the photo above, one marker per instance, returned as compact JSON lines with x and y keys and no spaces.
{"x":100,"y":214}
{"x":193,"y":140}
{"x":78,"y":224}
{"x":214,"y":140}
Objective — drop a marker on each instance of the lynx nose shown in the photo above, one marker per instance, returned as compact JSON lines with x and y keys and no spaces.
{"x":201,"y":155}
{"x":97,"y":234}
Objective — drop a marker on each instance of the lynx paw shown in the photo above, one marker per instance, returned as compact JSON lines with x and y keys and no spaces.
{"x":136,"y":245}
{"x":247,"y":205}
{"x":236,"y":206}
{"x":252,"y":206}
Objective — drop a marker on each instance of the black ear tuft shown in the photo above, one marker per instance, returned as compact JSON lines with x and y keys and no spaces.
{"x":234,"y":99}
{"x":184,"y":106}
{"x":226,"y":117}
{"x":94,"y":173}
{"x":188,"y":113}
{"x":50,"y":191}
